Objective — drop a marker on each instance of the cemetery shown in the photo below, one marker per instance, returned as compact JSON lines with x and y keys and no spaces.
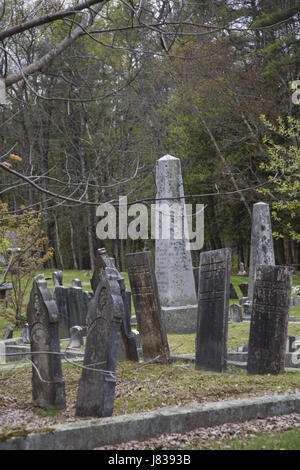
{"x":149,"y":226}
{"x":125,"y":345}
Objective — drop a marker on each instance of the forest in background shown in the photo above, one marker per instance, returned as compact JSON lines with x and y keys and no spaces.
{"x":199,"y":80}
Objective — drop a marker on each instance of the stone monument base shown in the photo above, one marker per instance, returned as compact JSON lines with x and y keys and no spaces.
{"x":180,"y":320}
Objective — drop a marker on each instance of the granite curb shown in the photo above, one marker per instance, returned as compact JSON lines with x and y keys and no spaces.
{"x":93,"y":433}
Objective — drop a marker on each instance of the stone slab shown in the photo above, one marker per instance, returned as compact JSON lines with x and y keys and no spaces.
{"x":90,"y":434}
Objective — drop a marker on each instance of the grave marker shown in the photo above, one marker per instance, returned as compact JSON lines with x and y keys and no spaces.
{"x":269,"y":322}
{"x":261,"y":249}
{"x":48,"y":386}
{"x":213,"y":303}
{"x":173,"y":263}
{"x":97,"y":383}
{"x":147,"y":307}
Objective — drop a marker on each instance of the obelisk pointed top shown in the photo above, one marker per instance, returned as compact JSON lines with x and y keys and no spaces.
{"x":168,"y":157}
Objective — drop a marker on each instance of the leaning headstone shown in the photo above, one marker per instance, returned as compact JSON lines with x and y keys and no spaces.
{"x":233,"y":294}
{"x":261,"y":249}
{"x":236,"y":313}
{"x":76,"y":336}
{"x":213,"y":304}
{"x":97,"y":383}
{"x":147,"y":307}
{"x":76,"y":304}
{"x":269,"y":321}
{"x":173,"y":263}
{"x":48,"y":386}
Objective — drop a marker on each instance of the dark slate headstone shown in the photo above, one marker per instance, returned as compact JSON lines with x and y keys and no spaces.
{"x":147,"y":307}
{"x":48,"y":386}
{"x":62,"y":301}
{"x":233,"y":294}
{"x":77,"y":306}
{"x":97,"y":383}
{"x":213,"y":304}
{"x":244,"y":288}
{"x":269,"y":321}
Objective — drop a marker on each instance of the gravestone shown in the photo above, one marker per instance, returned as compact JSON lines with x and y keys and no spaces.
{"x":269,"y":320}
{"x":261,"y":249}
{"x":76,"y":336}
{"x":62,"y":301}
{"x":244,"y":288}
{"x":128,"y":345}
{"x":233,"y":294}
{"x":8,"y":334}
{"x":236,"y":313}
{"x":196,"y":278}
{"x":242,"y":271}
{"x":97,"y":383}
{"x":57,"y":277}
{"x":48,"y":386}
{"x":173,"y":263}
{"x":213,"y":304}
{"x":25,"y":334}
{"x":147,"y":307}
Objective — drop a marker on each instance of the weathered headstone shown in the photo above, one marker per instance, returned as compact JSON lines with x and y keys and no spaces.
{"x":76,"y":336}
{"x":261,"y":249}
{"x":147,"y":307}
{"x":57,"y":277}
{"x":77,"y":304}
{"x":97,"y":383}
{"x":236,"y":313}
{"x":233,"y":294}
{"x":242,"y":271}
{"x":173,"y":263}
{"x":48,"y":386}
{"x":8,"y":334}
{"x":269,"y":321}
{"x":244,"y":288}
{"x":128,"y":346}
{"x":213,"y":304}
{"x":62,"y":301}
{"x":25,"y":334}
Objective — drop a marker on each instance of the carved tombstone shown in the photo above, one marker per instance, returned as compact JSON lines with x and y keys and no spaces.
{"x":213,"y":304}
{"x":269,"y":322}
{"x":62,"y":301}
{"x":128,"y":346}
{"x":97,"y":383}
{"x":48,"y":386}
{"x":147,"y":307}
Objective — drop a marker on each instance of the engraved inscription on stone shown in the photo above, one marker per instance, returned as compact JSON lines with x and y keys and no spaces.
{"x":269,"y":322}
{"x":213,"y":304}
{"x":147,"y":306}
